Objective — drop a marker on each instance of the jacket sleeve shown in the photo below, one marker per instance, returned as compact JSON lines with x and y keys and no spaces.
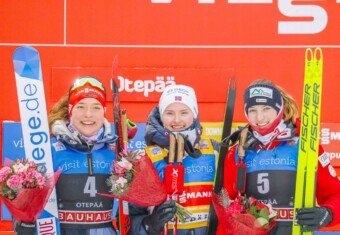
{"x":328,"y":187}
{"x":230,"y":173}
{"x":137,"y":214}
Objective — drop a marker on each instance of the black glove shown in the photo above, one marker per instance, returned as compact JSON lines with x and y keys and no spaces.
{"x":312,"y":219}
{"x":24,"y":228}
{"x":154,"y":223}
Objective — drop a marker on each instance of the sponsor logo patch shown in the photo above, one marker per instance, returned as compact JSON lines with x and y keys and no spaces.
{"x":155,"y":151}
{"x":324,"y":160}
{"x":204,"y":144}
{"x":84,"y":217}
{"x":58,"y":146}
{"x":331,"y":171}
{"x":112,"y":147}
{"x":261,"y":100}
{"x":263,"y":91}
{"x":284,"y":214}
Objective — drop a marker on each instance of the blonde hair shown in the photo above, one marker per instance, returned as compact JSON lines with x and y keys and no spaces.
{"x":59,"y":111}
{"x":291,"y":111}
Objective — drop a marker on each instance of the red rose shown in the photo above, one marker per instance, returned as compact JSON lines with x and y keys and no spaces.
{"x":235,"y":208}
{"x":252,"y":201}
{"x":261,"y":205}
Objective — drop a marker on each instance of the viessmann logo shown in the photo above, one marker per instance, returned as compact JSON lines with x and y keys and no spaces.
{"x":314,"y":18}
{"x":327,"y":136}
{"x":183,"y":198}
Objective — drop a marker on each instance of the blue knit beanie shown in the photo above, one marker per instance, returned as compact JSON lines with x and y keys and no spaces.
{"x":261,"y":94}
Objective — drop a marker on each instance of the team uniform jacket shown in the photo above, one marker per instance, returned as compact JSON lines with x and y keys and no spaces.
{"x":84,"y":174}
{"x":198,"y":182}
{"x":271,"y":176}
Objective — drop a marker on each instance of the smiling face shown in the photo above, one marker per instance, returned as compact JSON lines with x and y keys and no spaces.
{"x":177,"y":117}
{"x":261,"y":116}
{"x":88,"y":116}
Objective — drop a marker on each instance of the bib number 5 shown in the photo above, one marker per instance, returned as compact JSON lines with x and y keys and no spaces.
{"x":263,"y":183}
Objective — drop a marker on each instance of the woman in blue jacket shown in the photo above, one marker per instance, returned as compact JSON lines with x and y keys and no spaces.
{"x":82,"y":147}
{"x":177,"y":112}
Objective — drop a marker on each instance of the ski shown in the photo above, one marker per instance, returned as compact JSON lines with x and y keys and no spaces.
{"x":34,"y":122}
{"x":219,"y":177}
{"x":124,"y":219}
{"x":309,"y":135}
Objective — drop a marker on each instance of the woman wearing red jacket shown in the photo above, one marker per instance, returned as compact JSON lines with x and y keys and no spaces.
{"x":271,"y":155}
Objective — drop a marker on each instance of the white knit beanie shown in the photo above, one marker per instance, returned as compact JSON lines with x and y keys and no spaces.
{"x":178,"y":93}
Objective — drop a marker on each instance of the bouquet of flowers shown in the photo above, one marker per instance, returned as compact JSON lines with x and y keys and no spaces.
{"x":243,"y":215}
{"x":25,"y":189}
{"x":134,"y":179}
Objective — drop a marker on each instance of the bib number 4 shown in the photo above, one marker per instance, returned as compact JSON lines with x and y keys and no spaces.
{"x":90,"y":186}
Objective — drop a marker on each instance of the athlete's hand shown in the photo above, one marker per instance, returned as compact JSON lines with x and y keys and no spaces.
{"x":312,"y":219}
{"x":24,"y":228}
{"x":154,"y":223}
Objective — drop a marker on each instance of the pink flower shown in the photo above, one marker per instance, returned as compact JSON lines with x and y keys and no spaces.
{"x":4,"y":172}
{"x":118,"y":168}
{"x":15,"y":182}
{"x":31,"y":164}
{"x":125,"y":164}
{"x":19,"y":168}
{"x":41,"y":180}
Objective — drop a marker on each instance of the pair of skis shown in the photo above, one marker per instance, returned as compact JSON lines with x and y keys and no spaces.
{"x":309,"y":134}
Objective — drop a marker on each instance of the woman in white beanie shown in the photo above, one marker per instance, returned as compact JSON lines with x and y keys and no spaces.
{"x":271,"y":142}
{"x":177,"y":112}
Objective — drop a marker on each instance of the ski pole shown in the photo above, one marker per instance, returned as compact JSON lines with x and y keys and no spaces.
{"x":168,"y":173}
{"x":124,"y":219}
{"x":241,"y":167}
{"x":174,"y":174}
{"x":180,"y":180}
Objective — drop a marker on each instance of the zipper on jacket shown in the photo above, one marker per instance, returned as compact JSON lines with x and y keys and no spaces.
{"x":89,"y":159}
{"x":89,"y":162}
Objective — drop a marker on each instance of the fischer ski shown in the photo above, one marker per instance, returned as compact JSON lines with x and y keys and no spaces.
{"x":219,"y":178}
{"x":34,"y":122}
{"x":120,"y":124}
{"x":309,"y":135}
